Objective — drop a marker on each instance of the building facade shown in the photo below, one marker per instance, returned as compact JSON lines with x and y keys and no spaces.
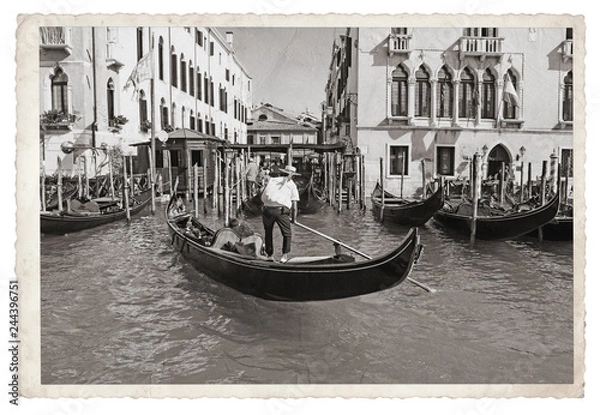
{"x":101,"y":88}
{"x":434,"y":97}
{"x":271,"y":125}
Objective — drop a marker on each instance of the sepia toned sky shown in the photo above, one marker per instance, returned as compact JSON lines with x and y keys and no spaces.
{"x":288,"y":66}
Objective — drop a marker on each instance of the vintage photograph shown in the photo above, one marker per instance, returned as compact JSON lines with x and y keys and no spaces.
{"x":305,"y":206}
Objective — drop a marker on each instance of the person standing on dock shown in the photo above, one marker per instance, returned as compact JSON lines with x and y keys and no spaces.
{"x":280,"y":199}
{"x":251,"y":174}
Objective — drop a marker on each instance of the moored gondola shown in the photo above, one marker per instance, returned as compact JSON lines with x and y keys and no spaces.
{"x":414,"y":213}
{"x":237,"y":263}
{"x":64,"y":222}
{"x":501,"y":226}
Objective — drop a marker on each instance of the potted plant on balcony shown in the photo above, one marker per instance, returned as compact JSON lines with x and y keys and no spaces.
{"x":118,"y":122}
{"x":55,"y":119}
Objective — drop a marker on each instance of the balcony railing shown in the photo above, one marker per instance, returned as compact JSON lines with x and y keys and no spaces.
{"x":55,"y":38}
{"x":481,"y":46}
{"x":57,"y":120}
{"x":567,"y":49}
{"x":399,"y":43}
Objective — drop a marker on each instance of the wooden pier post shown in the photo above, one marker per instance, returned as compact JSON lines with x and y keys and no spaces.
{"x":132,"y":187}
{"x":501,"y":184}
{"x":401,"y":175}
{"x":43,"y":187}
{"x":529,"y":182}
{"x":363,"y":184}
{"x":204,"y":184}
{"x":543,"y":184}
{"x":126,"y":190}
{"x":226,"y":195}
{"x":340,"y":183}
{"x":423,"y":178}
{"x":59,"y":184}
{"x":86,"y":188}
{"x":554,"y":176}
{"x":170,"y":173}
{"x":381,"y":180}
{"x":522,"y":180}
{"x":216,"y":192}
{"x":196,"y":190}
{"x":476,"y":187}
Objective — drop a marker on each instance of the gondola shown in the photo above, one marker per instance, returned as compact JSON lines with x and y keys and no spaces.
{"x":414,"y":213}
{"x":502,"y":226}
{"x":60,"y":223}
{"x":310,"y":199}
{"x":299,"y":279}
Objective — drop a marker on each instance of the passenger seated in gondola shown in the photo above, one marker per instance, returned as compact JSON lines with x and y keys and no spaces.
{"x":240,"y":228}
{"x":177,"y":208}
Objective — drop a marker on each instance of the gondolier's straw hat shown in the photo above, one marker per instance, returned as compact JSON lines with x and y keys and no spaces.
{"x":290,"y":170}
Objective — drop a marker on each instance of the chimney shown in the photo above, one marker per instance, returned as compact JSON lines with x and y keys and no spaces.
{"x":229,"y":39}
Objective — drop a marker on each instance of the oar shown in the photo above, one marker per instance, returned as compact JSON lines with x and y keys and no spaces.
{"x":417,"y":283}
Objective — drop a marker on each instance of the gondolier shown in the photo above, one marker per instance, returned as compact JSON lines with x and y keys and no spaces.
{"x":280,"y":199}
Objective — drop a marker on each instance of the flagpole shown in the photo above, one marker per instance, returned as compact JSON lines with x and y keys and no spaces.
{"x":152,"y":125}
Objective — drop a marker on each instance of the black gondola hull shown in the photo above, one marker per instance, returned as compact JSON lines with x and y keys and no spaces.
{"x":299,"y":282}
{"x":505,"y":227}
{"x":413,"y":214}
{"x":56,"y":224}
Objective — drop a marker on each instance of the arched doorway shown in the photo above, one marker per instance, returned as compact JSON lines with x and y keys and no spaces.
{"x":497,"y":156}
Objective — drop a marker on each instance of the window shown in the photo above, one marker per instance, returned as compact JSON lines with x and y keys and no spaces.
{"x":110,"y":102}
{"x":227,"y":74}
{"x":158,"y":159}
{"x":566,"y":161}
{"x":164,"y":114}
{"x":445,"y":93}
{"x":207,"y":126}
{"x":173,"y":69}
{"x":143,"y":108}
{"x":398,"y":160}
{"x":192,"y":121}
{"x":275,"y":139}
{"x":206,"y":99}
{"x":182,"y":117}
{"x":199,"y":38}
{"x":175,"y":158}
{"x":183,"y":67}
{"x":466,"y":95}
{"x":568,"y":97}
{"x":482,"y":31}
{"x":191,"y":77}
{"x":262,"y":117}
{"x":212,"y":48}
{"x":399,"y":30}
{"x":422,"y":94}
{"x":212,"y":93}
{"x":399,"y":92}
{"x":445,"y":161}
{"x":161,"y":59}
{"x":197,"y":158}
{"x":59,"y":86}
{"x":569,"y":34}
{"x":509,"y":110}
{"x":262,"y":139}
{"x":488,"y":109}
{"x":250,"y":139}
{"x":140,"y":43}
{"x":198,"y":84}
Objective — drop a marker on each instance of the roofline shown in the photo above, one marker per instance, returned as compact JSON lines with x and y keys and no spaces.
{"x":224,"y":43}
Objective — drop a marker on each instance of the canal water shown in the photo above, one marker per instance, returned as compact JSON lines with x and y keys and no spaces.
{"x":120,"y":306}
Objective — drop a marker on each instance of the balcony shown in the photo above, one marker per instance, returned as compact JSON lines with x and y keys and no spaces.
{"x":567,"y":49}
{"x":398,"y":43}
{"x":57,"y":121}
{"x":55,"y":38}
{"x":481,"y":47}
